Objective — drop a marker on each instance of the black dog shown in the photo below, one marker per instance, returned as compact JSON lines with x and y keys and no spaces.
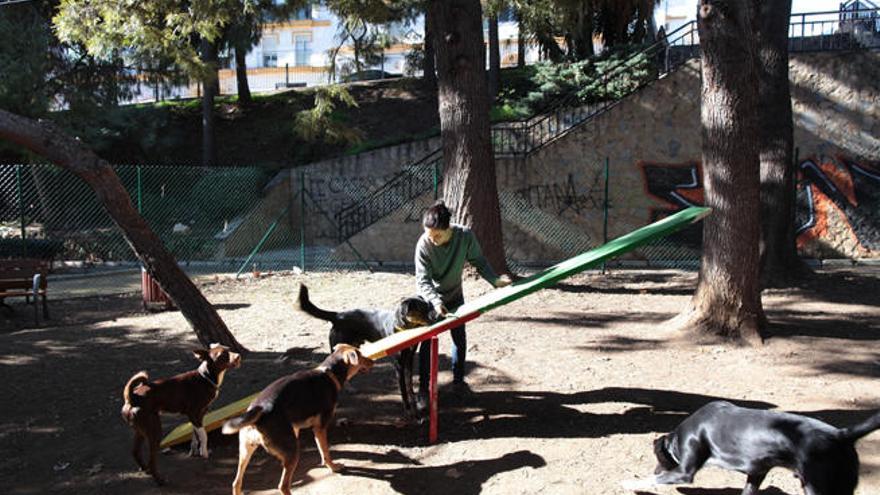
{"x":357,"y":326}
{"x":753,"y":441}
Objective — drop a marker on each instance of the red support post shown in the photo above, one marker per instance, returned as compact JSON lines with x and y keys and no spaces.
{"x":432,"y":391}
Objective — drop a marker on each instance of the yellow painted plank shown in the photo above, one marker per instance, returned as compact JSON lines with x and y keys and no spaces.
{"x":212,"y":421}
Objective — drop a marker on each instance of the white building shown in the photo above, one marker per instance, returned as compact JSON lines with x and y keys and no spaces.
{"x":296,"y":52}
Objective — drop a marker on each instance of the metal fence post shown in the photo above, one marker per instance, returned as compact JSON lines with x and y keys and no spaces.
{"x":605,"y":212}
{"x":21,"y":211}
{"x":302,"y":221}
{"x":286,"y":75}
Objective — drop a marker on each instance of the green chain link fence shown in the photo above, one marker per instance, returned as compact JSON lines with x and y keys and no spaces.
{"x":238,"y":220}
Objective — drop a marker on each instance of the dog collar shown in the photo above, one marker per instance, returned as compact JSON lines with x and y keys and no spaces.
{"x":203,"y":372}
{"x":669,"y":451}
{"x":332,"y":376}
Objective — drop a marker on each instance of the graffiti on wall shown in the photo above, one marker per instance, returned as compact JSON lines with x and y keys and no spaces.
{"x":565,"y":195}
{"x":841,"y":188}
{"x":675,"y":186}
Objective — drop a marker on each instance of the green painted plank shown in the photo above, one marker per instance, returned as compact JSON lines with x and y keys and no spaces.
{"x":489,"y":301}
{"x":593,"y":257}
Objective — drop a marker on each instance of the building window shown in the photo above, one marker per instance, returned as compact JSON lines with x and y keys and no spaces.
{"x":270,"y":59}
{"x":302,"y":49}
{"x":270,"y":50}
{"x":303,"y":13}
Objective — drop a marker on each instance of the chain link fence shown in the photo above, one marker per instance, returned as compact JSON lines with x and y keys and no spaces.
{"x":241,"y":220}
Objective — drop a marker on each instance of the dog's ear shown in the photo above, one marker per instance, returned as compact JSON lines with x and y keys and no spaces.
{"x":400,"y":314}
{"x":201,"y":354}
{"x":664,"y":458}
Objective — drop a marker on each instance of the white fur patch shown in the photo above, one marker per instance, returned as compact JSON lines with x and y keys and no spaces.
{"x":203,"y":442}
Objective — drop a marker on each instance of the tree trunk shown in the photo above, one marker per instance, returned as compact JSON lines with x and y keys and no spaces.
{"x":727,"y":301}
{"x":583,"y":37}
{"x":494,"y":59}
{"x":429,"y":68}
{"x":780,"y":263}
{"x":244,"y":89}
{"x":469,"y":182}
{"x":209,"y":87}
{"x":46,"y":140}
{"x":520,"y":41}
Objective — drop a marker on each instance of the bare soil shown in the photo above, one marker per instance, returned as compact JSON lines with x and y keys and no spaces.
{"x":569,"y":386}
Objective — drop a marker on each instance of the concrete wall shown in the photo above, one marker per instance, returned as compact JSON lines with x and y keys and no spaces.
{"x":552,"y":201}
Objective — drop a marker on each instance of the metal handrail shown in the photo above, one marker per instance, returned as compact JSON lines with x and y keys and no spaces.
{"x":528,"y":135}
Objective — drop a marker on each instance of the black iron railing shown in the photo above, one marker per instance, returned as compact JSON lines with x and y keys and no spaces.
{"x":850,"y":28}
{"x":415,"y":180}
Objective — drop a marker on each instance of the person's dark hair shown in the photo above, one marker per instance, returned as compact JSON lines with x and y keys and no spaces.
{"x":437,"y":216}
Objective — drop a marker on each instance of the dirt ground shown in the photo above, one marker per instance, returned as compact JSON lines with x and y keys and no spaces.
{"x":570,"y":386}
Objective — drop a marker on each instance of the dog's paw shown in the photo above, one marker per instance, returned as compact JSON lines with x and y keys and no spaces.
{"x":637,"y":484}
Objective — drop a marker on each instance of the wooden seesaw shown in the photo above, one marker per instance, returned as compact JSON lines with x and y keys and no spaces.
{"x":471,"y":310}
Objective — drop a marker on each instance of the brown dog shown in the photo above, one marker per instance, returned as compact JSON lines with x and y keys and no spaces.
{"x":306,"y":399}
{"x":188,"y":393}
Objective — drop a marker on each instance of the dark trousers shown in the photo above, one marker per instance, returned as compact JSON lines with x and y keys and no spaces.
{"x":459,"y":353}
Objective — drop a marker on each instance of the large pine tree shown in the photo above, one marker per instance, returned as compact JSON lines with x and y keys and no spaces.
{"x":780,"y":262}
{"x":727,"y":301}
{"x":469,"y":182}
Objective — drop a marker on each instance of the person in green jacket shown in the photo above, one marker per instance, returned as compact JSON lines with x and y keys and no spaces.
{"x":440,"y":255}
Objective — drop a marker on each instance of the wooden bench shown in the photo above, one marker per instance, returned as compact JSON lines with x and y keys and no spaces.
{"x":24,"y":278}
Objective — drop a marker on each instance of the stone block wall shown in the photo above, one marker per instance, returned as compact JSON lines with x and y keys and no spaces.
{"x":552,"y":200}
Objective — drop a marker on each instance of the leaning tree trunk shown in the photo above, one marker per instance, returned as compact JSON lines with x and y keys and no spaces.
{"x":494,"y":59}
{"x":244,"y":89}
{"x":727,"y":301}
{"x":429,"y":69}
{"x":209,"y":92}
{"x":780,"y":263}
{"x":68,"y":153}
{"x":469,"y":182}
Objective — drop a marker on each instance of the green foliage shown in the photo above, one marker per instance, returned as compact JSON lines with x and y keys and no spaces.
{"x":150,"y":34}
{"x":509,"y":111}
{"x":45,"y":249}
{"x":610,"y":76}
{"x":323,"y":123}
{"x":24,"y":61}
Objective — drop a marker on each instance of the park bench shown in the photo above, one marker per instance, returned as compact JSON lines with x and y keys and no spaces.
{"x":24,"y":278}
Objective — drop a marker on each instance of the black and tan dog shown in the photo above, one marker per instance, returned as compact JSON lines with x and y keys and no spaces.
{"x":188,"y":393}
{"x":306,"y":399}
{"x":357,"y":326}
{"x":753,"y":441}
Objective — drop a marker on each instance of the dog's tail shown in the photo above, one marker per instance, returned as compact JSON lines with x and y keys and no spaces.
{"x":138,"y":378}
{"x":306,"y":305}
{"x":248,"y":418}
{"x":856,"y":432}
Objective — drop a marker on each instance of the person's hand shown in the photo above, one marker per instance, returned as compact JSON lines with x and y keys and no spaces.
{"x":441,"y":310}
{"x":503,"y":281}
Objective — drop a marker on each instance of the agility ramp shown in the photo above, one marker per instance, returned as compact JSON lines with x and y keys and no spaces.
{"x":483,"y":304}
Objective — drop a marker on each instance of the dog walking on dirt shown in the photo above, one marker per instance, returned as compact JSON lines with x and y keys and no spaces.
{"x":306,"y":399}
{"x":188,"y":393}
